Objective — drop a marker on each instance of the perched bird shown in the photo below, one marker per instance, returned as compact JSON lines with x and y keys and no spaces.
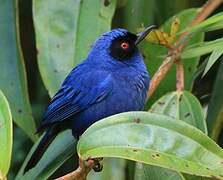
{"x":113,"y":79}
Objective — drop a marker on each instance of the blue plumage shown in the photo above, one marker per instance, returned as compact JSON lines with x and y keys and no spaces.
{"x":113,"y":79}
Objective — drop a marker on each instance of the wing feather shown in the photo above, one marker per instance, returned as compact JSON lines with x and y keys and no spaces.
{"x":78,"y":92}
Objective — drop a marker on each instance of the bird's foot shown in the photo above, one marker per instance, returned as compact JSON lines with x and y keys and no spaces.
{"x":98,"y":166}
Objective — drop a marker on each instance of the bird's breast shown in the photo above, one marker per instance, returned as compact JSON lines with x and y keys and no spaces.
{"x":128,"y":94}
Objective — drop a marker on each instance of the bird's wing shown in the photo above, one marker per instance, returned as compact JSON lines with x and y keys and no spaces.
{"x":78,"y":92}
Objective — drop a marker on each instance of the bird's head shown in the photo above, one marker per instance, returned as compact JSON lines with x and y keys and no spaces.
{"x":118,"y":45}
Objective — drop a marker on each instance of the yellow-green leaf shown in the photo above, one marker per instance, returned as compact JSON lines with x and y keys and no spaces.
{"x":5,"y":136}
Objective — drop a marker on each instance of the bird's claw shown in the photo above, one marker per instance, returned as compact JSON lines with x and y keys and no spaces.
{"x":97,"y":166}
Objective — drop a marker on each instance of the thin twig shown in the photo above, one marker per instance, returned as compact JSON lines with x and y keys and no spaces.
{"x":179,"y":76}
{"x":174,"y":54}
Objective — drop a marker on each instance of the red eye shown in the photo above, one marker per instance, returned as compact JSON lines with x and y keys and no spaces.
{"x":125,"y":45}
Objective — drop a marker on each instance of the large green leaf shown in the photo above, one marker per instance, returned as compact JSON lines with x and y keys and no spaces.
{"x":215,"y":108}
{"x":153,"y":139}
{"x":154,"y":56}
{"x":65,"y":31}
{"x":57,"y":153}
{"x":184,"y":106}
{"x":5,"y":136}
{"x":181,"y":105}
{"x":178,"y":105}
{"x":13,"y":80}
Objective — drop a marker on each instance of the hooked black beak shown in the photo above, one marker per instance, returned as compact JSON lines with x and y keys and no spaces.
{"x":143,"y":34}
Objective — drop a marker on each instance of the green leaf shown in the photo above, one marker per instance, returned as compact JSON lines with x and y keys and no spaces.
{"x":192,"y":177}
{"x":181,"y":105}
{"x":215,"y":55}
{"x":94,"y":19}
{"x":131,"y":172}
{"x":215,"y":108}
{"x":13,"y":80}
{"x":178,"y":105}
{"x":153,"y":139}
{"x":165,"y":9}
{"x":113,"y":169}
{"x":65,"y":31}
{"x":215,"y":26}
{"x":5,"y":136}
{"x":202,"y":48}
{"x":154,"y":57}
{"x":147,"y":172}
{"x":57,"y":153}
{"x":212,"y":23}
{"x":135,"y":14}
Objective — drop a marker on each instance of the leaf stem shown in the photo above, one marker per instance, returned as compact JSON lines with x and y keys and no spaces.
{"x":174,"y":53}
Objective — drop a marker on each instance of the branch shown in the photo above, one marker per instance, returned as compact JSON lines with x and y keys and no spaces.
{"x":81,"y":172}
{"x":174,"y":53}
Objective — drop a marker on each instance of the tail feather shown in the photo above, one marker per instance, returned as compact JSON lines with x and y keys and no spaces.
{"x":41,"y":148}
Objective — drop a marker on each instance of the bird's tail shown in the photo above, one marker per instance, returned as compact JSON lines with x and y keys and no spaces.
{"x":41,"y":148}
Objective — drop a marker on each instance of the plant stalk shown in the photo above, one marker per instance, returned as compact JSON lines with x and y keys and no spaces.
{"x":174,"y":53}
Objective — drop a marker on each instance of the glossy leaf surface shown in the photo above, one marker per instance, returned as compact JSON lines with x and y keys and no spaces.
{"x":147,"y":172}
{"x":178,"y":105}
{"x":183,"y":106}
{"x":153,"y":139}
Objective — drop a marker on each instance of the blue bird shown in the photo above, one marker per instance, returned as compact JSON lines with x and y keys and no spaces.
{"x":113,"y":79}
